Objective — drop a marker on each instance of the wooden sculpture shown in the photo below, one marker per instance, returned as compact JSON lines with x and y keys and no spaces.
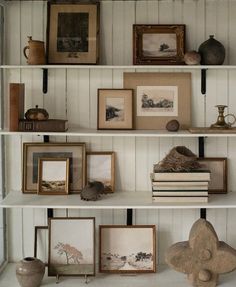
{"x":203,"y":257}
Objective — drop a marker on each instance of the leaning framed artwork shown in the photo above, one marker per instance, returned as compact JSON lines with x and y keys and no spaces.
{"x":159,"y":98}
{"x":75,"y":152}
{"x":115,"y":109}
{"x":158,"y":44}
{"x":101,"y":167}
{"x":71,"y":252}
{"x":219,"y":173}
{"x":121,"y":252}
{"x":72,"y":32}
{"x":53,"y":176}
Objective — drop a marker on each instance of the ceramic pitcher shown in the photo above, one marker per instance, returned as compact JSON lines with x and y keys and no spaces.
{"x":36,"y":52}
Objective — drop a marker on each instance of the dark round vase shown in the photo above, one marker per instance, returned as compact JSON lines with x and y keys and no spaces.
{"x":30,"y":272}
{"x":212,"y":52}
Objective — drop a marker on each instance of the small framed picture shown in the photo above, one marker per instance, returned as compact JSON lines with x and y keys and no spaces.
{"x":121,"y":252}
{"x":115,"y":109}
{"x":101,"y":167}
{"x":219,"y":173}
{"x":32,"y":152}
{"x":73,"y":31}
{"x":158,"y":44}
{"x":71,"y":246}
{"x":53,"y":176}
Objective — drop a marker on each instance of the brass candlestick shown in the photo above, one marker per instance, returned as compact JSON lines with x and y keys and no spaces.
{"x":220,"y":123}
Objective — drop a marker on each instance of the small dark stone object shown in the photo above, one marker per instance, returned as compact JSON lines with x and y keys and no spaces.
{"x":92,"y":191}
{"x":172,"y":126}
{"x":192,"y":58}
{"x":212,"y":52}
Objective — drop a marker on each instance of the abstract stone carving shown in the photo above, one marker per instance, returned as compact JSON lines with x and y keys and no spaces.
{"x":203,"y":257}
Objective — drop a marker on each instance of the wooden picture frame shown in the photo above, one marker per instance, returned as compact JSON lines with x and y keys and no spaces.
{"x":36,"y":231}
{"x":53,"y":176}
{"x":115,"y":109}
{"x":219,"y":173}
{"x":74,"y":151}
{"x":160,"y":98}
{"x":73,"y":32}
{"x":121,"y":252}
{"x":71,"y":252}
{"x":96,"y":162}
{"x":158,"y":44}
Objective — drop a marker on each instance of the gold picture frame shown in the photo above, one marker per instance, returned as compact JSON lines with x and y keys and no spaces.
{"x":159,"y":98}
{"x":73,"y":32}
{"x":96,"y":163}
{"x":74,"y":151}
{"x":53,"y":176}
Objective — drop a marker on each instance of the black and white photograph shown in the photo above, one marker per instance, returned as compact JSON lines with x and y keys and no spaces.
{"x":159,"y":45}
{"x":121,"y":252}
{"x":115,"y":109}
{"x":157,"y":101}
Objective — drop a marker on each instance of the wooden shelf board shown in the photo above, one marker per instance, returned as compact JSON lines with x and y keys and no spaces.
{"x":117,"y":200}
{"x":161,"y":67}
{"x":164,"y":277}
{"x":120,"y":133}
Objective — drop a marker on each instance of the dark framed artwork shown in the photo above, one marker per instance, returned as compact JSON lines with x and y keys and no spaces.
{"x":158,"y":44}
{"x":160,"y":98}
{"x":127,"y":249}
{"x":53,"y":176}
{"x":71,"y":246}
{"x":38,"y":240}
{"x":115,"y":109}
{"x":219,"y":173}
{"x":32,"y":152}
{"x":73,"y":32}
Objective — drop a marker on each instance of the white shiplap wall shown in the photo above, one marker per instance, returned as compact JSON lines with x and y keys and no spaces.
{"x":73,"y":95}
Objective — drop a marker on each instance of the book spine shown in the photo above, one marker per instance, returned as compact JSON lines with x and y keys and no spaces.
{"x":16,"y":105}
{"x":179,"y":183}
{"x":191,"y":176}
{"x":180,"y":188}
{"x":179,"y":193}
{"x":200,"y":199}
{"x":43,"y":126}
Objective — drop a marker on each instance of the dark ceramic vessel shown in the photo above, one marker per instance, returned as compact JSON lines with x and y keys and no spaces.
{"x":212,"y":52}
{"x":30,"y":272}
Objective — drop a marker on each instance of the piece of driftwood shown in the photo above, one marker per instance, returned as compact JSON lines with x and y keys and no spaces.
{"x":203,"y":257}
{"x":179,"y":159}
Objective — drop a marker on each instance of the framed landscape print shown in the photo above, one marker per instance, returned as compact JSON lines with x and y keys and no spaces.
{"x":101,"y":167}
{"x":71,"y":246}
{"x":73,"y":31}
{"x":127,"y":249}
{"x":160,"y":98}
{"x":219,"y":173}
{"x":53,"y":176}
{"x":115,"y":109}
{"x":158,"y":44}
{"x":32,"y":152}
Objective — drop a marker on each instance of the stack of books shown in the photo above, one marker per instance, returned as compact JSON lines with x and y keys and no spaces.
{"x":180,"y":186}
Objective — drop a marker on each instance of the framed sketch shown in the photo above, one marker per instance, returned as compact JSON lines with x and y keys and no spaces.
{"x":101,"y":167}
{"x":121,"y":252}
{"x":71,"y":246}
{"x":75,"y":152}
{"x":115,"y":109}
{"x":159,"y":98}
{"x":73,"y":30}
{"x":53,"y":176}
{"x":219,"y":173}
{"x":158,"y":44}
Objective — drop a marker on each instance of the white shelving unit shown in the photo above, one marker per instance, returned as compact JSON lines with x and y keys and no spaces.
{"x":72,"y":95}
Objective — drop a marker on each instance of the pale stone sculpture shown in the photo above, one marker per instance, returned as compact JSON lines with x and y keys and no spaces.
{"x":203,"y":257}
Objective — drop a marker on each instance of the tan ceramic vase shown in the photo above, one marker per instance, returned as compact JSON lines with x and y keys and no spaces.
{"x":30,"y":272}
{"x":36,"y":52}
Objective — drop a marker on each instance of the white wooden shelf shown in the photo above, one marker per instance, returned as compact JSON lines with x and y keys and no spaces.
{"x":164,"y":277}
{"x":161,"y":67}
{"x":117,"y":200}
{"x":120,"y":133}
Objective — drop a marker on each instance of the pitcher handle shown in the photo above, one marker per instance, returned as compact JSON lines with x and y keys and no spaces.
{"x":24,"y":51}
{"x":234,"y":119}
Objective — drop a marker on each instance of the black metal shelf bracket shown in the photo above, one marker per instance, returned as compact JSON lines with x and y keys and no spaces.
{"x":129,"y":220}
{"x":45,"y":81}
{"x":203,"y":81}
{"x":201,"y":153}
